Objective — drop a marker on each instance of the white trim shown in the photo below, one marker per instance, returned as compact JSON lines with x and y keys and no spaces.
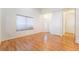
{"x":17,"y":37}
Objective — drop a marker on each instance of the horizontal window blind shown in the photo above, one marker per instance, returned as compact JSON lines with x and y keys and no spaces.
{"x":24,"y":23}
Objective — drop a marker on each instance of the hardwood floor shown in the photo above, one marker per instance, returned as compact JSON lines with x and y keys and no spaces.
{"x":37,"y":42}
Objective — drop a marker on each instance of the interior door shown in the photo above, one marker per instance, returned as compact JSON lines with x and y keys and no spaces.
{"x":77,"y":25}
{"x":56,"y":25}
{"x":69,"y":18}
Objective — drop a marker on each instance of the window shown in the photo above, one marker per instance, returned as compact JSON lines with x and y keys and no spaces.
{"x":24,"y":23}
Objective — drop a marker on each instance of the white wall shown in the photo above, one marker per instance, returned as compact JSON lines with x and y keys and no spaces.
{"x":35,"y":13}
{"x":9,"y":22}
{"x":77,"y":25}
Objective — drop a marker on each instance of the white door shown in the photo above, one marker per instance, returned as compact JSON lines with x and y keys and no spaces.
{"x":69,"y":20}
{"x":77,"y":25}
{"x":56,"y":25}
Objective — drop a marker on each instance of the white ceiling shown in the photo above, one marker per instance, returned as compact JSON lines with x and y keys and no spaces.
{"x":55,"y":9}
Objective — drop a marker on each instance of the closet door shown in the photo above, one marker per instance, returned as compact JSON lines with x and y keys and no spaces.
{"x":8,"y":22}
{"x":0,"y":23}
{"x":77,"y":25}
{"x":55,"y":25}
{"x":69,"y":20}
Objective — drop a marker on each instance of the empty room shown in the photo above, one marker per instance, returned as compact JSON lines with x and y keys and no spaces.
{"x":39,"y":29}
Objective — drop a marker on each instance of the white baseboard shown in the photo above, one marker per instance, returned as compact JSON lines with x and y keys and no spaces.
{"x":17,"y":36}
{"x":77,"y":40}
